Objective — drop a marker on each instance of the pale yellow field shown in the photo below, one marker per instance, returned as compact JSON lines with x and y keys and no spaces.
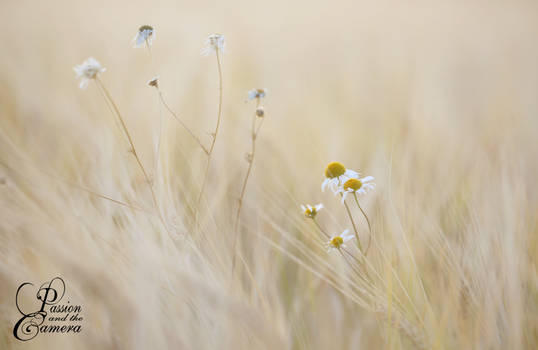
{"x":437,"y":100}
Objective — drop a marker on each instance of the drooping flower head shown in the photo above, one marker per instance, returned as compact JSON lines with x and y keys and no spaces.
{"x":256,"y":93}
{"x":338,"y":241}
{"x":260,"y":112}
{"x":154,"y":81}
{"x":214,"y":43}
{"x":358,"y":186}
{"x":87,"y":71}
{"x":335,"y":175}
{"x":144,"y":35}
{"x":311,"y":211}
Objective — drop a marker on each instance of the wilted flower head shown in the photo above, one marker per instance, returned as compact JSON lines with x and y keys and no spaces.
{"x":256,"y":93}
{"x":154,"y":81}
{"x":145,"y":34}
{"x":335,"y":175}
{"x":87,"y":71}
{"x":338,"y":241}
{"x":359,"y":186}
{"x":214,"y":42}
{"x":260,"y":112}
{"x":311,"y":212}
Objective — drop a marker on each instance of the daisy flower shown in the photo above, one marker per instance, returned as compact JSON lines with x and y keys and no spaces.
{"x":359,"y":186}
{"x":335,"y":175}
{"x":256,"y":93}
{"x":144,"y":35}
{"x":214,"y":42}
{"x":311,"y":212}
{"x":338,"y":241}
{"x":87,"y":71}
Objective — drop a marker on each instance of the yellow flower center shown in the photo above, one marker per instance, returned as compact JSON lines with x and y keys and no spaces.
{"x":310,"y":213}
{"x":335,"y":169}
{"x":337,"y":241}
{"x":352,"y":184}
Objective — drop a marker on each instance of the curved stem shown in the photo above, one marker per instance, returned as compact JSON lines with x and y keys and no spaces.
{"x":176,"y":117}
{"x":133,"y":150}
{"x":254,"y":134}
{"x":214,"y":135}
{"x":353,"y":224}
{"x":159,"y":139}
{"x":322,"y":230}
{"x":367,"y":221}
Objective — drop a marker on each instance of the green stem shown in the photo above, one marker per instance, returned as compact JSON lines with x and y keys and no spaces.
{"x":353,"y":224}
{"x":367,"y":221}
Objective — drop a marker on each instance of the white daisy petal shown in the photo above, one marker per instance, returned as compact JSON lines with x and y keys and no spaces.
{"x":324,"y":185}
{"x":213,"y":43}
{"x":367,"y":178}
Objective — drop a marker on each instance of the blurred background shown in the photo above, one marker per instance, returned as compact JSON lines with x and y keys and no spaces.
{"x":436,"y":100}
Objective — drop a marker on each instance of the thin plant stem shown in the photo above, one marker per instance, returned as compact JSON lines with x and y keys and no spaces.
{"x":254,"y":135}
{"x":133,"y":150}
{"x":321,"y":229}
{"x":159,"y":136}
{"x":353,"y":224}
{"x":148,"y":46}
{"x":214,"y":134}
{"x":176,"y":117}
{"x":367,"y":221}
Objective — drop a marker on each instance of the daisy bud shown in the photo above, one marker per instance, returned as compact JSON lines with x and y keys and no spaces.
{"x":154,"y":82}
{"x":260,"y":113}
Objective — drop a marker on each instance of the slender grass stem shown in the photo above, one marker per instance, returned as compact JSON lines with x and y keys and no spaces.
{"x":367,"y":221}
{"x":159,"y":136}
{"x":321,"y":229}
{"x":133,"y":150}
{"x":254,"y":135}
{"x":215,"y":133}
{"x":353,"y":224}
{"x":176,"y":117}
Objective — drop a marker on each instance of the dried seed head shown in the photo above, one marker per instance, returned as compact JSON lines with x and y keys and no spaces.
{"x":260,"y":113}
{"x":144,"y":35}
{"x":145,"y":27}
{"x":154,"y":82}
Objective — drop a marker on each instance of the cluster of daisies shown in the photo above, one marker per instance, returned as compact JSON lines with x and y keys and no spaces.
{"x":343,"y":182}
{"x":91,"y":68}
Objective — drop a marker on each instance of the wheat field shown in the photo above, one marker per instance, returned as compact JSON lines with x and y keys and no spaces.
{"x":438,"y":101}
